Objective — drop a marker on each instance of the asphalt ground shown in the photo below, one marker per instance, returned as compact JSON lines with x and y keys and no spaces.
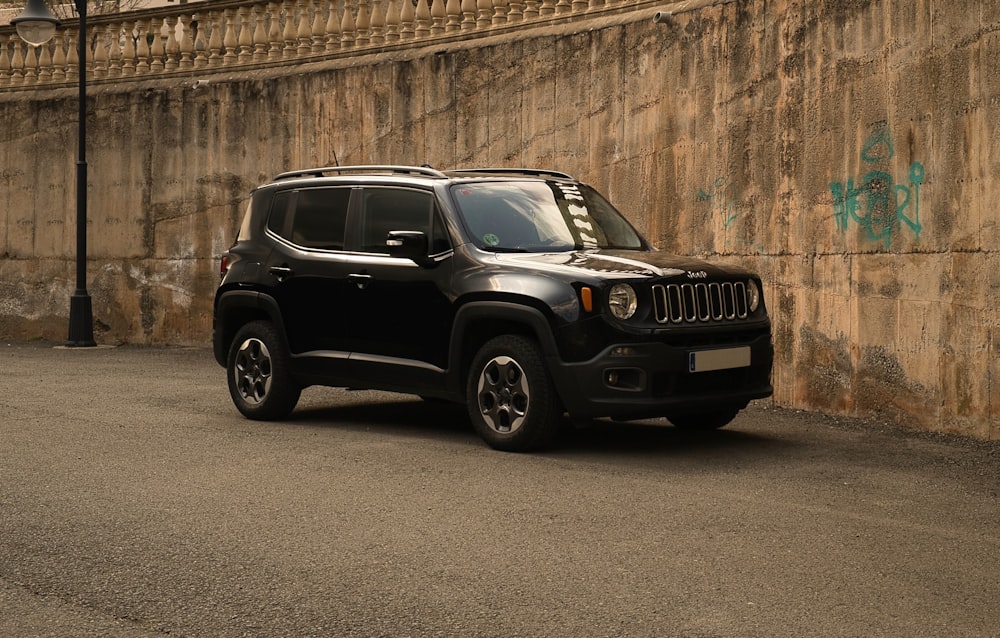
{"x":136,"y":502}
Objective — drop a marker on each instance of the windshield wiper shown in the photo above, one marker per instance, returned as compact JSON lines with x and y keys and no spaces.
{"x":505,"y":249}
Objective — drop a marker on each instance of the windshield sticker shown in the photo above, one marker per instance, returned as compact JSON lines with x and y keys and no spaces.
{"x":491,"y":240}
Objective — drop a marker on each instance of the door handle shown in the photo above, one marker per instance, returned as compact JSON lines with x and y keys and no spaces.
{"x":281,"y":272}
{"x":360,"y":280}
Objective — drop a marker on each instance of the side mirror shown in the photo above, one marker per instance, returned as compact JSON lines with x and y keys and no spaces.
{"x":408,"y":244}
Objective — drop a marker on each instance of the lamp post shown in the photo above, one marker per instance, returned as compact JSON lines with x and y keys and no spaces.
{"x":36,"y":25}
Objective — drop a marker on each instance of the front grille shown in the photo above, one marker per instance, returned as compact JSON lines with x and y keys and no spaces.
{"x":700,"y":302}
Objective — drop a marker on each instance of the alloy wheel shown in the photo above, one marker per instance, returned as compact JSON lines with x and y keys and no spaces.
{"x":503,"y":394}
{"x":252,"y":371}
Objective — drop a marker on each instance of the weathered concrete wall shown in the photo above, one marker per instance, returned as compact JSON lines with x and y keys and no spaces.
{"x":847,"y":149}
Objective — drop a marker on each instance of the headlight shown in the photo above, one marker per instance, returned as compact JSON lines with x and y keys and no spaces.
{"x":622,"y":301}
{"x":753,"y":295}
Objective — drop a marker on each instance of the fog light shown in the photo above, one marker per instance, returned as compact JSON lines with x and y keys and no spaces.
{"x":628,"y":379}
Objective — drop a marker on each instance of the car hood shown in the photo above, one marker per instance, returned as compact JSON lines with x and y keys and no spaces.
{"x":625,"y":264}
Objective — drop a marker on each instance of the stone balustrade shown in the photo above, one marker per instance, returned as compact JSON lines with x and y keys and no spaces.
{"x":191,"y":38}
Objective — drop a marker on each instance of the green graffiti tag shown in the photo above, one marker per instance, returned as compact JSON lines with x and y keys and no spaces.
{"x":723,"y":200}
{"x":878,"y":204}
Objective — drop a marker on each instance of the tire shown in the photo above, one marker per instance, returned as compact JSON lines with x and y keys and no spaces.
{"x":259,"y":380}
{"x":510,"y":398}
{"x":703,"y":421}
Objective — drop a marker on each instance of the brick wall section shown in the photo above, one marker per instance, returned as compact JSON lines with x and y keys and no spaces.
{"x":847,"y":150}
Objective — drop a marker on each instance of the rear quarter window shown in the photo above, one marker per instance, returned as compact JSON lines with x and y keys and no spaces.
{"x":311,"y":217}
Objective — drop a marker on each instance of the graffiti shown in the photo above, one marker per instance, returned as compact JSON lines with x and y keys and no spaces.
{"x":725,"y":205}
{"x":721,"y":194}
{"x":877,"y":203}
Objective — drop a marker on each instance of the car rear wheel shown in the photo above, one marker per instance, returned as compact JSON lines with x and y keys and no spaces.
{"x":510,"y":398}
{"x":259,"y":380}
{"x":703,"y":421}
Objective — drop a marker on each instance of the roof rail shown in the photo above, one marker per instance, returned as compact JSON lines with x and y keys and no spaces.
{"x":534,"y":172}
{"x":392,"y":169}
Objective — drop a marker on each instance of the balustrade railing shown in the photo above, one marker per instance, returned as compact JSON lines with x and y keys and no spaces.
{"x":234,"y":33}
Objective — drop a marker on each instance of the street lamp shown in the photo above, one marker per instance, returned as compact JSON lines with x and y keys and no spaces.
{"x":36,"y":25}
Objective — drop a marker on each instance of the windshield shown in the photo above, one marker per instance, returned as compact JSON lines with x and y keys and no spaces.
{"x":536,"y":216}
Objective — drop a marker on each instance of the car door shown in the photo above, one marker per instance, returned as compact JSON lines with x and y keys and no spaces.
{"x":400,"y":314}
{"x":310,"y":268}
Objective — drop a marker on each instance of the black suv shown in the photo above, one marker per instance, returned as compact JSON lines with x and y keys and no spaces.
{"x":522,"y":293}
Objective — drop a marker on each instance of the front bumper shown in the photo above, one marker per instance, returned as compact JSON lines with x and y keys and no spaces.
{"x":654,"y":379}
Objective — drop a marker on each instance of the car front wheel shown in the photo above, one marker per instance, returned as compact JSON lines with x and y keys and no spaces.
{"x":259,"y":380}
{"x":510,"y":398}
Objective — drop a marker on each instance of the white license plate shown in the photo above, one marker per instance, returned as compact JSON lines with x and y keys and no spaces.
{"x":721,"y":359}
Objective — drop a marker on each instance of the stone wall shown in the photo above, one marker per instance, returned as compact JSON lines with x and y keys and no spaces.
{"x":846,"y":149}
